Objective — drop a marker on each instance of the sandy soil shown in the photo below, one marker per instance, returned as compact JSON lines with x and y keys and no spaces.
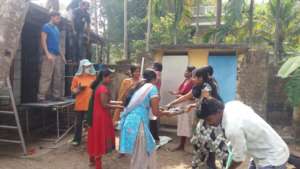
{"x":65,"y":156}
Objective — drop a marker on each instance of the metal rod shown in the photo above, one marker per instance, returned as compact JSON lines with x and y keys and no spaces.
{"x":64,"y":134}
{"x":57,"y":122}
{"x":27,"y":122}
{"x":16,"y":116}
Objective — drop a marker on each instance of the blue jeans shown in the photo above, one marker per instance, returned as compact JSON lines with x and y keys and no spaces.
{"x":253,"y":166}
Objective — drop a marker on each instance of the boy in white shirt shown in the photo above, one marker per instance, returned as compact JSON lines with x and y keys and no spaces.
{"x":248,"y":134}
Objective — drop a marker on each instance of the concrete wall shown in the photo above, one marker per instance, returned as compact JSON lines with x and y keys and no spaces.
{"x":252,"y":81}
{"x":198,"y":57}
{"x":279,"y":111}
{"x":12,"y":16}
{"x":252,"y":67}
{"x":158,"y":56}
{"x":17,"y":76}
{"x":259,"y":87}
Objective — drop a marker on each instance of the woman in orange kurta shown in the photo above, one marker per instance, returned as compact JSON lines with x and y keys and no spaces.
{"x":101,"y":136}
{"x":128,"y":83}
{"x":80,"y":87}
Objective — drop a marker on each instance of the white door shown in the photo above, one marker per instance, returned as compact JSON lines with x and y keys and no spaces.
{"x":172,"y":75}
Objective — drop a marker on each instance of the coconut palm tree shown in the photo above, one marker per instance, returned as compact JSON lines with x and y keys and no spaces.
{"x":126,"y":56}
{"x":218,"y":13}
{"x":283,"y":15}
{"x":148,"y":25}
{"x":180,"y":9}
{"x":279,"y":36}
{"x":250,"y":21}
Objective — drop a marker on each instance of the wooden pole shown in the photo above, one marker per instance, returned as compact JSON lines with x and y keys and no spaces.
{"x":142,"y":67}
{"x":125,"y":31}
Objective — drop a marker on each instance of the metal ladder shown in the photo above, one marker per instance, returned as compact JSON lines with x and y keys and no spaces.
{"x":14,"y":112}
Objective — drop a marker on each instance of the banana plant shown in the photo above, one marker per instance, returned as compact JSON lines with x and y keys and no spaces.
{"x":290,"y":70}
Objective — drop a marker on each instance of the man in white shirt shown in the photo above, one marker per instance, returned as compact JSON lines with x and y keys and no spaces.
{"x":248,"y":134}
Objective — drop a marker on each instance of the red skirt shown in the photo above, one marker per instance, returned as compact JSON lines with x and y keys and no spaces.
{"x":101,"y":136}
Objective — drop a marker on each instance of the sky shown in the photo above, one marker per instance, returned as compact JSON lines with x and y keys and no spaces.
{"x":64,"y":4}
{"x":43,"y":2}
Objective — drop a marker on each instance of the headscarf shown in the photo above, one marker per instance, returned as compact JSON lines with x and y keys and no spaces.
{"x":85,"y":62}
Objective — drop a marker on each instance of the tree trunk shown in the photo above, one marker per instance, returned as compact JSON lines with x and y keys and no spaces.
{"x":125,"y":30}
{"x":250,"y":24}
{"x":12,"y":18}
{"x":148,"y":26}
{"x":218,"y":18}
{"x":198,"y":17}
{"x":278,"y":33}
{"x":108,"y":53}
{"x":175,"y":35}
{"x":218,"y":13}
{"x":96,"y":23}
{"x":176,"y":20}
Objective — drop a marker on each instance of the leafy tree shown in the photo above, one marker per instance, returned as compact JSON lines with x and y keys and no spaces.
{"x":258,"y":27}
{"x":136,"y":28}
{"x":113,"y":10}
{"x":162,"y":32}
{"x":180,"y":9}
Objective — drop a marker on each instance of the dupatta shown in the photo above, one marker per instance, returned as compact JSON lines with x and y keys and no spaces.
{"x":137,"y":98}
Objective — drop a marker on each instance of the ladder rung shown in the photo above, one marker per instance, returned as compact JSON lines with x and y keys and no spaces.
{"x":10,"y":141}
{"x":7,"y":112}
{"x":5,"y":97}
{"x":8,"y":127}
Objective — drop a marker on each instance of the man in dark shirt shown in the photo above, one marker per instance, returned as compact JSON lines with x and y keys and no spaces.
{"x":81,"y":25}
{"x":51,"y":68}
{"x":73,"y":4}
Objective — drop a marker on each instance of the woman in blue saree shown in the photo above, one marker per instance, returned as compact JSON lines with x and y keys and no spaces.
{"x":136,"y":138}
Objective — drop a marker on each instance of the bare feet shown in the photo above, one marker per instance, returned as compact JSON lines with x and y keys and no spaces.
{"x":121,"y":155}
{"x":92,"y":162}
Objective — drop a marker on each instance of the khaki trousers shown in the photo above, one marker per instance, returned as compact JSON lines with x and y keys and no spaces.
{"x":51,"y":78}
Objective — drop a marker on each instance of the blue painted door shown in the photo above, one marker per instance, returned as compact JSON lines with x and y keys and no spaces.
{"x":225,"y":72}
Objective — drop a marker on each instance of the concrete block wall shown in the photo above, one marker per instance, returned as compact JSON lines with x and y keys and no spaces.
{"x":252,"y":81}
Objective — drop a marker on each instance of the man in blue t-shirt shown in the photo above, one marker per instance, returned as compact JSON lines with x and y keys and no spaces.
{"x":53,"y":61}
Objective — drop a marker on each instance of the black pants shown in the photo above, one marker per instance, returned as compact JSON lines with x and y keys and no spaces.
{"x":154,"y":129}
{"x":78,"y":126}
{"x":81,"y":50}
{"x":211,"y":161}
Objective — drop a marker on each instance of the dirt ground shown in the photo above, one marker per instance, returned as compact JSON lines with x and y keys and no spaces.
{"x":65,"y":156}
